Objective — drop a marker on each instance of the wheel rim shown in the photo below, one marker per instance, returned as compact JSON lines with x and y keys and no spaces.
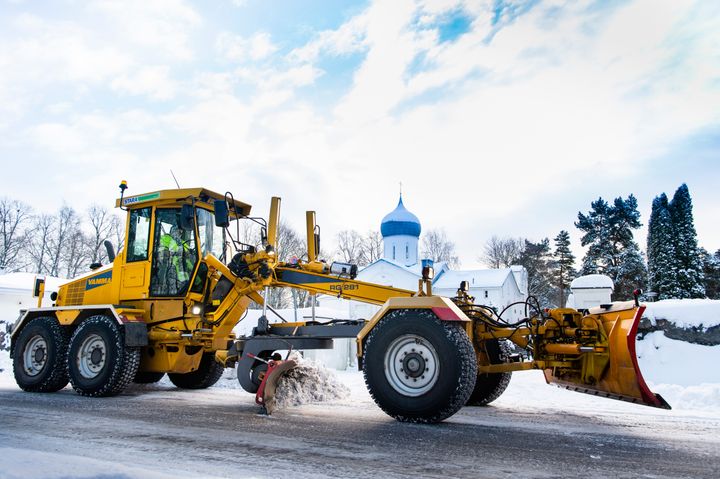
{"x":411,"y":365}
{"x":35,"y":355}
{"x":91,"y":356}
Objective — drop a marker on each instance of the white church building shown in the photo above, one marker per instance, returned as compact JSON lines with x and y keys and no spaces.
{"x":400,"y":267}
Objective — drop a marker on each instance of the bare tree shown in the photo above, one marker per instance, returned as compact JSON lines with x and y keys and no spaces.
{"x":502,"y":252}
{"x":438,"y":247}
{"x":372,"y":246}
{"x":75,"y":253}
{"x":117,"y":233}
{"x":66,"y":225}
{"x":350,"y":247}
{"x":101,"y":229}
{"x":43,"y":227}
{"x":14,"y":215}
{"x":289,"y":244}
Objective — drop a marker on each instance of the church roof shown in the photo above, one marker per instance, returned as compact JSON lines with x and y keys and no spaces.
{"x":478,"y":278}
{"x":400,"y":222}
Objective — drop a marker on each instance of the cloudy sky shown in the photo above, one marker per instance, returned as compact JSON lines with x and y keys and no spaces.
{"x":498,"y":117}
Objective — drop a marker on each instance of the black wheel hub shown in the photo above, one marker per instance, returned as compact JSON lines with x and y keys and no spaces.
{"x":39,"y":355}
{"x":96,"y":356}
{"x":414,"y":365}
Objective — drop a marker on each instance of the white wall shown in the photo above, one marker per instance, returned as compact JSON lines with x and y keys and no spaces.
{"x":402,"y":244}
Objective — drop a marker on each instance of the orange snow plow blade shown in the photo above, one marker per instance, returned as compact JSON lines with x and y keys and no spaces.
{"x":265,"y":395}
{"x":612,"y":371}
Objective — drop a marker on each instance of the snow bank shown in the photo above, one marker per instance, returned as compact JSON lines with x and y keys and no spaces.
{"x":685,"y":313}
{"x":668,"y":361}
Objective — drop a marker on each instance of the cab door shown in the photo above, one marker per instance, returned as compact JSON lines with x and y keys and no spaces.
{"x":136,"y":264}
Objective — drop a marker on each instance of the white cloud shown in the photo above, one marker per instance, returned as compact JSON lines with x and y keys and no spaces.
{"x":349,"y":38}
{"x":152,"y":81}
{"x":240,"y":49}
{"x":160,"y":27}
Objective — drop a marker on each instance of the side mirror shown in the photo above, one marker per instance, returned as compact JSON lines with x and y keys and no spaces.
{"x":110,"y":250}
{"x":187,"y":217}
{"x":222,"y":217}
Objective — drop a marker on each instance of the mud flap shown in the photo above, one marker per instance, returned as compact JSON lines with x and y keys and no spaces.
{"x":265,"y":395}
{"x":621,"y":378}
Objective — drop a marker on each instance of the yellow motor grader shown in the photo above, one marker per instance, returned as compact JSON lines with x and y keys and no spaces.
{"x":168,"y":303}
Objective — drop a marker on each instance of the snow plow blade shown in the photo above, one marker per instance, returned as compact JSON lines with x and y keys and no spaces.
{"x":619,"y":373}
{"x":265,"y":396}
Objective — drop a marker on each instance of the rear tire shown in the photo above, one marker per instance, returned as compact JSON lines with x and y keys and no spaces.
{"x":40,"y":356}
{"x":99,"y":363}
{"x":203,"y":377}
{"x":489,"y":387}
{"x":143,"y":377}
{"x":418,"y":368}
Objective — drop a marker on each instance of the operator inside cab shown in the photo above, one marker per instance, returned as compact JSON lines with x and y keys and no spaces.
{"x":175,"y":255}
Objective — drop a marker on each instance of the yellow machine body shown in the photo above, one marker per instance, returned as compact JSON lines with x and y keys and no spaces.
{"x":178,"y":296}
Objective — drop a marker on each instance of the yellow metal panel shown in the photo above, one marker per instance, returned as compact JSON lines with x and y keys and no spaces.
{"x":67,"y":316}
{"x":415,"y":302}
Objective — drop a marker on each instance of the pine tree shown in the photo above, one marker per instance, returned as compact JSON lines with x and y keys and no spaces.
{"x":563,"y":265}
{"x":711,"y":270}
{"x":609,"y":237}
{"x":631,"y":272}
{"x":662,"y":263}
{"x":596,"y":225}
{"x":689,"y":263}
{"x":537,"y":258}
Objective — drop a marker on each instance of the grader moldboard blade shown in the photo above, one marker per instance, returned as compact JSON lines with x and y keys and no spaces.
{"x":265,"y":395}
{"x":621,"y":378}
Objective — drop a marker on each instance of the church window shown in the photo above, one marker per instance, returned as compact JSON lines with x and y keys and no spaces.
{"x":407,"y":251}
{"x":393,"y":251}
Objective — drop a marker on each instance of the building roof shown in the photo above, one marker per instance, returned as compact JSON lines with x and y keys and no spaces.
{"x":476,"y":278}
{"x":400,"y":222}
{"x":591,"y":281}
{"x":22,"y":282}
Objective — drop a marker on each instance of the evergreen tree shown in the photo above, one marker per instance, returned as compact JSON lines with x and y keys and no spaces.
{"x":537,"y":258}
{"x":711,"y":271}
{"x":608,"y":233}
{"x":689,"y":263}
{"x":563,"y":266}
{"x":631,"y":272}
{"x":662,"y":263}
{"x":596,"y":226}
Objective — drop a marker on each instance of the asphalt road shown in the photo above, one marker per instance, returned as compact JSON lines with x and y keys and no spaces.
{"x":218,"y":432}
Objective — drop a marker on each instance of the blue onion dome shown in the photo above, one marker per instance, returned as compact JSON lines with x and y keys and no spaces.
{"x":400,"y":222}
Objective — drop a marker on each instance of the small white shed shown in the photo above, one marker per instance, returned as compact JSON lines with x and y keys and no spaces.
{"x":589,"y":291}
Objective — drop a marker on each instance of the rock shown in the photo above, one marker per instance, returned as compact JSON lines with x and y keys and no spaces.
{"x":694,"y":334}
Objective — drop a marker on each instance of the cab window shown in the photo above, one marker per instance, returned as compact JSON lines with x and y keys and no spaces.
{"x":139,"y":235}
{"x":175,"y":255}
{"x":212,"y":238}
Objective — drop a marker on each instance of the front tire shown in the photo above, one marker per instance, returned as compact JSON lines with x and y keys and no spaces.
{"x":99,"y":363}
{"x":206,"y":375}
{"x":40,"y":356}
{"x":418,"y":368}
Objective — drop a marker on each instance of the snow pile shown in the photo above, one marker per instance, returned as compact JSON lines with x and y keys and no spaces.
{"x":685,"y":313}
{"x":705,"y":397}
{"x":5,"y":364}
{"x":669,"y":361}
{"x":309,"y":382}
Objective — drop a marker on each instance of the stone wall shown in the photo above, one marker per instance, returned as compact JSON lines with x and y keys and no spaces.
{"x":696,"y":335}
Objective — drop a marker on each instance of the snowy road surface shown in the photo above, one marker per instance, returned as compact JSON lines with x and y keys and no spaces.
{"x":533,"y":430}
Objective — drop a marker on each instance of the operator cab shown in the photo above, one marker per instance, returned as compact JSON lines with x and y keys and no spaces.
{"x":169,"y":233}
